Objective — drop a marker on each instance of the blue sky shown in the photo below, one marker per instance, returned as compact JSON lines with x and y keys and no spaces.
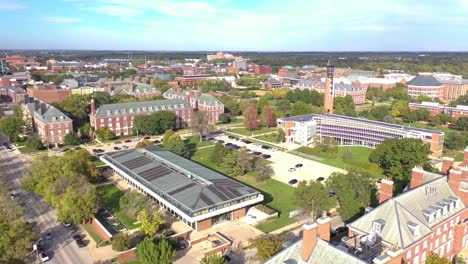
{"x":258,"y":25}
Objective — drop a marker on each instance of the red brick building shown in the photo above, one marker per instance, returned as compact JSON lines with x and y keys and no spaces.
{"x":436,"y":109}
{"x":262,"y":69}
{"x":198,"y":100}
{"x":13,"y":59}
{"x":446,"y":90}
{"x":191,"y":80}
{"x":119,"y":117}
{"x":50,"y":124}
{"x":49,"y":93}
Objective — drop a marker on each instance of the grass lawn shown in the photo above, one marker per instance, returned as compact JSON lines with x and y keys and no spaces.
{"x":270,"y":137}
{"x":278,"y":195}
{"x":358,"y":153}
{"x":97,"y":162}
{"x":92,"y":233}
{"x":110,"y":196}
{"x":194,"y":142}
{"x":245,"y":132}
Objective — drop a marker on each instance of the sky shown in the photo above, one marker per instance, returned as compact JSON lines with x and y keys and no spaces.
{"x":235,"y":25}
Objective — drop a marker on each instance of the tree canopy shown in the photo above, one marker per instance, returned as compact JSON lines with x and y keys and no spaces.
{"x":213,"y":259}
{"x":200,"y":123}
{"x":267,"y":246}
{"x":149,"y":252}
{"x":154,"y":124}
{"x":313,"y":197}
{"x":151,"y":220}
{"x":11,"y":127}
{"x":251,"y":121}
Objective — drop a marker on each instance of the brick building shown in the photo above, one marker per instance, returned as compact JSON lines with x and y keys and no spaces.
{"x":49,"y":93}
{"x":191,"y":80}
{"x":436,"y":108}
{"x":442,"y":88}
{"x":262,"y":69}
{"x":199,"y":101}
{"x":119,"y":117}
{"x":11,"y":94}
{"x":50,"y":123}
{"x":57,"y":66}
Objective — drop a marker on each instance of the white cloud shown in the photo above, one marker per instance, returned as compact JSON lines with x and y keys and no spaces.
{"x":10,"y":5}
{"x":60,"y":19}
{"x":117,"y":11}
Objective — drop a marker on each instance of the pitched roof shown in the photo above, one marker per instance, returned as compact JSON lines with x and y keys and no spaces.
{"x":206,"y":99}
{"x":109,"y":110}
{"x":411,"y":208}
{"x":424,"y":80}
{"x":45,"y":112}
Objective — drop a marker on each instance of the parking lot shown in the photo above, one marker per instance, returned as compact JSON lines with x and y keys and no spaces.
{"x":284,"y":164}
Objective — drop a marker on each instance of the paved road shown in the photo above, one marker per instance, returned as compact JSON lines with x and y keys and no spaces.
{"x":61,"y":249}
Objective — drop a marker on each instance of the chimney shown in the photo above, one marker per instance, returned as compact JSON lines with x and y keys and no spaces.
{"x":309,"y":239}
{"x":464,"y":170}
{"x":454,"y":180}
{"x":37,"y":105}
{"x":447,"y":164}
{"x":465,"y":156}
{"x":386,"y":190}
{"x":43,"y":108}
{"x":417,"y":177}
{"x":324,"y":225}
{"x":93,"y":107}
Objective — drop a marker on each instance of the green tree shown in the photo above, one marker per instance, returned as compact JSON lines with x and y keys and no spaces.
{"x":77,"y":107}
{"x":154,"y":124}
{"x":200,"y":123}
{"x":78,"y":203}
{"x":151,"y":221}
{"x":218,"y":153}
{"x":34,"y":142}
{"x":437,"y":259}
{"x":167,"y":136}
{"x":71,"y":138}
{"x":397,"y":157}
{"x":149,"y":252}
{"x":134,"y":202}
{"x":85,"y":129}
{"x":313,"y":197}
{"x":121,"y":242}
{"x":15,"y":241}
{"x":300,"y":108}
{"x":101,"y":98}
{"x":456,"y":140}
{"x":268,"y":116}
{"x":267,"y":246}
{"x":144,"y":143}
{"x":328,"y":145}
{"x":105,"y":133}
{"x":230,"y":164}
{"x":423,"y":98}
{"x":178,"y":146}
{"x":462,"y":100}
{"x":213,"y":259}
{"x":283,"y":105}
{"x":423,"y":114}
{"x":462,"y":123}
{"x":161,"y":84}
{"x":244,"y":161}
{"x":224,"y":118}
{"x":280,"y":136}
{"x":10,"y":209}
{"x":399,"y":108}
{"x":11,"y":127}
{"x":251,"y":121}
{"x":354,"y":190}
{"x":264,"y":171}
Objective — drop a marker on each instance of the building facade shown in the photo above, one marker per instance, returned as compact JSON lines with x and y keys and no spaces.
{"x":50,"y":124}
{"x":49,"y":93}
{"x":262,"y":69}
{"x":191,"y":80}
{"x":436,"y":109}
{"x":437,"y":86}
{"x":350,"y":131}
{"x":198,"y":101}
{"x":196,"y":195}
{"x":120,"y":117}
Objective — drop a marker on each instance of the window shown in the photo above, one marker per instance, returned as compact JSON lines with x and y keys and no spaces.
{"x":416,"y":250}
{"x":408,"y":254}
{"x":425,"y":244}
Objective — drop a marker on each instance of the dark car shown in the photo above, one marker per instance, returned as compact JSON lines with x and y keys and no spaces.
{"x":221,"y":141}
{"x":79,"y":241}
{"x":118,"y":142}
{"x":226,"y":258}
{"x":319,"y":179}
{"x":341,"y":230}
{"x":266,"y":156}
{"x":299,"y":165}
{"x":228,"y":144}
{"x":156,"y":141}
{"x":116,"y":148}
{"x":293,"y":181}
{"x":148,"y":137}
{"x":128,"y":141}
{"x":231,"y":137}
{"x":77,"y":148}
{"x":265,"y":147}
{"x":234,"y":146}
{"x":258,"y":154}
{"x":331,"y":193}
{"x":246,"y":141}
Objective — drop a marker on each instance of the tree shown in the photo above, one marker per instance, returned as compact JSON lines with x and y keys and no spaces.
{"x":177,"y":145}
{"x":121,"y":242}
{"x":423,"y":114}
{"x":213,"y":259}
{"x":144,"y":143}
{"x":397,"y":157}
{"x":268,"y":116}
{"x":267,"y":246}
{"x":15,"y":241}
{"x":85,"y":129}
{"x":71,"y":138}
{"x":455,"y":140}
{"x":154,"y":124}
{"x":399,"y":108}
{"x":76,"y":106}
{"x":354,"y":191}
{"x":105,"y":133}
{"x":167,"y":135}
{"x":462,"y":123}
{"x":280,"y":136}
{"x":251,"y":118}
{"x":78,"y":203}
{"x":134,"y":202}
{"x":313,"y":197}
{"x":410,"y":116}
{"x":149,"y":252}
{"x":224,"y":118}
{"x":264,"y":171}
{"x":230,"y":164}
{"x":200,"y":123}
{"x":34,"y":142}
{"x":161,"y":84}
{"x":437,"y":259}
{"x":244,"y":161}
{"x":11,"y":127}
{"x":151,"y":221}
{"x":328,"y":145}
{"x":283,"y":105}
{"x":300,"y":108}
{"x":101,"y":98}
{"x":218,"y":153}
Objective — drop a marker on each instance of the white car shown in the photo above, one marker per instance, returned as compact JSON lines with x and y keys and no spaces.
{"x":43,"y":257}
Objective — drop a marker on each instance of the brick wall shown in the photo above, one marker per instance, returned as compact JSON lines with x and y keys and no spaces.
{"x":126,"y":256}
{"x":96,"y":225}
{"x":205,"y":224}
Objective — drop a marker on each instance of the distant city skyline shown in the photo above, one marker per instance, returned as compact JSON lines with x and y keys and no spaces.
{"x":235,"y":25}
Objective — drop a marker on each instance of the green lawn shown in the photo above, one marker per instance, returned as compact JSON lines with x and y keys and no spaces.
{"x":194,"y":142}
{"x":270,"y":138}
{"x":110,"y":196}
{"x":92,"y":233}
{"x":358,"y":154}
{"x":278,"y":195}
{"x":245,"y":132}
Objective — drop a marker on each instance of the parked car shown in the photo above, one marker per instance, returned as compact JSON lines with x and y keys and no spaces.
{"x":266,"y":156}
{"x":125,"y":147}
{"x":147,"y":137}
{"x":234,"y":146}
{"x":128,"y":141}
{"x":157,"y":141}
{"x":116,"y":148}
{"x":265,"y":147}
{"x":292,"y":182}
{"x":246,"y":141}
{"x":299,"y":165}
{"x":258,"y":154}
{"x":319,"y":179}
{"x":231,"y":137}
{"x":48,"y":235}
{"x":221,"y":141}
{"x":43,"y":257}
{"x":341,"y":230}
{"x":291,"y":169}
{"x":67,"y":225}
{"x":136,"y":139}
{"x":228,"y":144}
{"x":331,"y":193}
{"x":79,"y":241}
{"x":117,"y":142}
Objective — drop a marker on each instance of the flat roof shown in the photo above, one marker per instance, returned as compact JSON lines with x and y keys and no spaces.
{"x":185,"y":184}
{"x":360,"y":120}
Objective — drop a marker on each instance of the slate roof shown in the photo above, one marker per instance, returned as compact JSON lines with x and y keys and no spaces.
{"x":206,"y":99}
{"x":182,"y":182}
{"x":12,"y":89}
{"x":409,"y":208}
{"x":323,"y":253}
{"x":44,"y":112}
{"x":424,"y":80}
{"x":148,"y":107}
{"x":139,"y":89}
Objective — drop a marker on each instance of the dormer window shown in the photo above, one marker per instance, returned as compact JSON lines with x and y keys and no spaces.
{"x":131,"y":110}
{"x":414,"y":228}
{"x":377,"y":226}
{"x":54,"y":118}
{"x":108,"y":112}
{"x":150,"y":108}
{"x":116,"y":112}
{"x":438,"y":213}
{"x":429,"y":215}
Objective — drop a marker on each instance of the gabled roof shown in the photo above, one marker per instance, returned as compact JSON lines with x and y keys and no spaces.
{"x":135,"y":108}
{"x":45,"y":112}
{"x":410,"y":208}
{"x":424,"y":80}
{"x":206,"y":99}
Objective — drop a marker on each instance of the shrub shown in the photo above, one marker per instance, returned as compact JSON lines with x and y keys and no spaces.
{"x":121,"y":242}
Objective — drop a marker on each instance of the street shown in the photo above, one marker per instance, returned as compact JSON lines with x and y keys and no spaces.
{"x":61,"y":248}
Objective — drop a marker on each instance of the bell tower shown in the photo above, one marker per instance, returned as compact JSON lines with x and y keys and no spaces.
{"x":328,"y":99}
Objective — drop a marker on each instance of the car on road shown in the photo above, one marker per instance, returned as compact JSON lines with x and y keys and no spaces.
{"x":128,"y":141}
{"x":292,"y":182}
{"x":117,"y":142}
{"x":265,"y":147}
{"x":79,"y":241}
{"x":148,"y":137}
{"x":125,"y":147}
{"x":221,"y":141}
{"x":43,"y":257}
{"x":48,"y":235}
{"x":266,"y":156}
{"x":319,"y":179}
{"x":157,"y":141}
{"x":116,"y":148}
{"x":257,"y":153}
{"x":291,"y":169}
{"x":299,"y":165}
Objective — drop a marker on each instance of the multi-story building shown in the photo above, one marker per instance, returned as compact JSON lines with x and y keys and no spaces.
{"x":454,"y":89}
{"x":199,"y":101}
{"x":11,"y":94}
{"x":350,"y":131}
{"x":222,"y":55}
{"x":272,"y":83}
{"x":436,"y":108}
{"x":57,"y":66}
{"x":262,"y":69}
{"x":50,"y":123}
{"x":361,"y":73}
{"x":49,"y":93}
{"x":437,"y":86}
{"x":190,"y":80}
{"x":196,"y":195}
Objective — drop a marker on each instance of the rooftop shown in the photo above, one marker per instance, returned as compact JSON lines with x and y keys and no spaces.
{"x":424,"y":80}
{"x":148,"y":107}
